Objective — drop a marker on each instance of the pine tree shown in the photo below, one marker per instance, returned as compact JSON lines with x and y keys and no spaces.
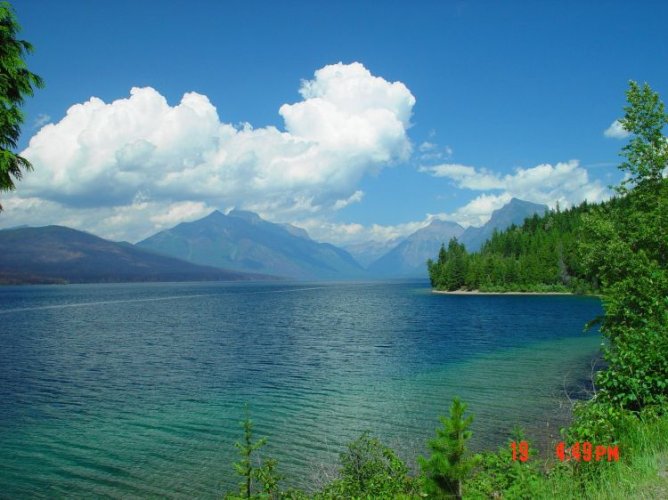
{"x":16,"y":82}
{"x":449,"y":463}
{"x":265,"y":474}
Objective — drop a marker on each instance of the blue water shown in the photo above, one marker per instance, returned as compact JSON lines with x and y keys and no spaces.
{"x":138,"y":389}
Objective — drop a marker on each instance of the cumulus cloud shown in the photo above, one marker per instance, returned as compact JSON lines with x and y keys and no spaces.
{"x":141,"y":163}
{"x":616,"y":131}
{"x":566,"y":183}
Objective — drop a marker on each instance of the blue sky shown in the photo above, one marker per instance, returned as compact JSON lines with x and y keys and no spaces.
{"x":454,"y":108}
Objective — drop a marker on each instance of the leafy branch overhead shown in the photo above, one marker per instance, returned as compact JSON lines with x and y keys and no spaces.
{"x":16,"y":83}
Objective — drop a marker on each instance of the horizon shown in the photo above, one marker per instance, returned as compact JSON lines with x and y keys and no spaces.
{"x":436,"y":112}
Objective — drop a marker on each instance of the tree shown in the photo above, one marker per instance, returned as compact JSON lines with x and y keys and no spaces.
{"x":265,"y":474}
{"x":647,"y":152}
{"x":448,"y":465}
{"x":624,"y":245}
{"x":16,"y":82}
{"x":370,"y":469}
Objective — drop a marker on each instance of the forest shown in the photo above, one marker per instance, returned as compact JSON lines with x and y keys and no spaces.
{"x":541,"y":255}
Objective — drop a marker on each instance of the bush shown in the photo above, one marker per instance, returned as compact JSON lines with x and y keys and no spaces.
{"x":369,"y":469}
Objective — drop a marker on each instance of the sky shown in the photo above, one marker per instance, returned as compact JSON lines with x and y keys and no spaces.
{"x":356,"y":120}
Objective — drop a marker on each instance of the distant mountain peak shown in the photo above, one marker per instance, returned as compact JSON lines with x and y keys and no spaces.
{"x":518,"y":208}
{"x":409,"y":257}
{"x":214,"y":215}
{"x":440,"y":223}
{"x":296,"y":231}
{"x":244,"y":241}
{"x":513,"y":212}
{"x":246,"y":215}
{"x":516,"y":201}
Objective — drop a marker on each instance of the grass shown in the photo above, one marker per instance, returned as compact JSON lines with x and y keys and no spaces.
{"x":642,"y":471}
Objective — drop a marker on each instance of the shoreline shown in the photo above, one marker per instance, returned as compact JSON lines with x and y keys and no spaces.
{"x":478,"y":292}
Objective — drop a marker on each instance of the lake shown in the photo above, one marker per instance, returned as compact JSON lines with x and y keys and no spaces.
{"x":138,"y":389}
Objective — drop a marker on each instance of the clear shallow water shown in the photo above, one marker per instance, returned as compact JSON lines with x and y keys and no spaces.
{"x":138,"y":389}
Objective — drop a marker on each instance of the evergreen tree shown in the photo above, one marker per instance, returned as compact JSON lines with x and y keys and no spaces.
{"x":16,"y":82}
{"x":264,"y":474}
{"x":449,"y":463}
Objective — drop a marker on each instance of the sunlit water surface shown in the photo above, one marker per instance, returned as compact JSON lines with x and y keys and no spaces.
{"x":138,"y":389}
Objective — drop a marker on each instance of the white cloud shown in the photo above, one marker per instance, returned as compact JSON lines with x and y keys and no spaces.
{"x":356,"y":197}
{"x":429,"y":152}
{"x":477,"y":211}
{"x":427,"y":146}
{"x":465,"y":176}
{"x":616,"y":131}
{"x":351,"y":233}
{"x":139,"y":161}
{"x":565,"y":182}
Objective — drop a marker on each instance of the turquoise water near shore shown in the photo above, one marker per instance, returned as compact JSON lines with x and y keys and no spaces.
{"x":138,"y":389}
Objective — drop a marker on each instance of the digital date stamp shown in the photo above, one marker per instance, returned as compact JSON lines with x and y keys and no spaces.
{"x":578,"y":452}
{"x":586,"y":452}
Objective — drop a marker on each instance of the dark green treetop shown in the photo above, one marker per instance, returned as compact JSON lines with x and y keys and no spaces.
{"x":16,"y":82}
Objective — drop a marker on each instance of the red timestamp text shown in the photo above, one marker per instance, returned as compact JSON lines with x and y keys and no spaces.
{"x":587,"y":452}
{"x":520,"y":451}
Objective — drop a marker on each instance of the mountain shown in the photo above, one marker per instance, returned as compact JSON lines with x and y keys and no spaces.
{"x":243,"y":241}
{"x":56,"y":254}
{"x":408,"y":258}
{"x":367,"y":252}
{"x":513,"y":212}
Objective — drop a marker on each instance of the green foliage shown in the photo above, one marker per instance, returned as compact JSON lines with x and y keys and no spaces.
{"x":499,"y":475}
{"x":597,"y":422}
{"x":369,"y":470}
{"x":449,"y":463}
{"x":624,"y":244}
{"x":449,"y":272}
{"x":16,"y":82}
{"x":259,"y":481}
{"x":647,"y":152}
{"x":538,"y":256}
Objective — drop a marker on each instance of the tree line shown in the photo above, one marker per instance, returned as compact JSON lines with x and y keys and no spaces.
{"x":539,"y":255}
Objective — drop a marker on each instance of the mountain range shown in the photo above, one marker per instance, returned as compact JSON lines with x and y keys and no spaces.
{"x":233,"y":246}
{"x":513,"y":212}
{"x":245,"y":242}
{"x":408,"y":258}
{"x":56,"y":254}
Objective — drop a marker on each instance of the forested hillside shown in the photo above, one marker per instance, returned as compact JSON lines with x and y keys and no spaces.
{"x":539,"y":255}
